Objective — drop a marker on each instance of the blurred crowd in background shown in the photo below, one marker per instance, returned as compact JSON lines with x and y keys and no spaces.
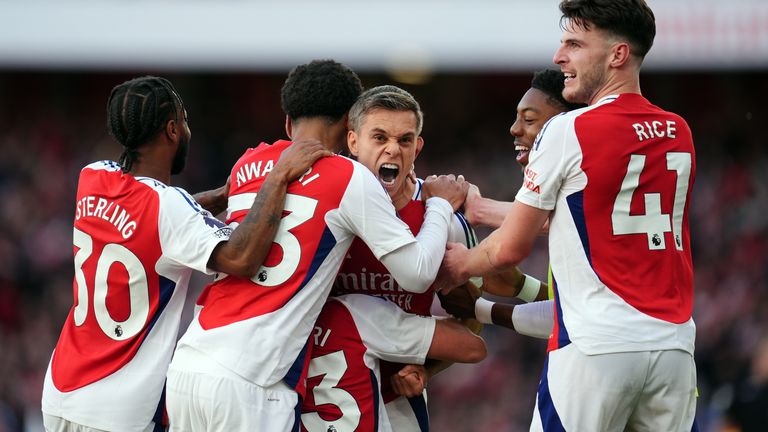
{"x":53,"y":124}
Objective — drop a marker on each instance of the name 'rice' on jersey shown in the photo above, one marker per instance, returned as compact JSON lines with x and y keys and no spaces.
{"x":620,"y":174}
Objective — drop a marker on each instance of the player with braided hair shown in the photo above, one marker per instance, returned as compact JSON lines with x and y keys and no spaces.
{"x":138,"y":111}
{"x":137,"y":240}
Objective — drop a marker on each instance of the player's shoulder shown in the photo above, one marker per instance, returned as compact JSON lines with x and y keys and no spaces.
{"x":102,"y":165}
{"x":179,"y":196}
{"x":170,"y":197}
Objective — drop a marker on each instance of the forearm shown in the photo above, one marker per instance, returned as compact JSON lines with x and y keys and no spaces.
{"x":513,"y":283}
{"x":482,"y":260}
{"x":489,"y":212}
{"x":214,"y":200}
{"x":433,"y":367}
{"x":530,"y":319}
{"x":415,"y":265}
{"x":251,"y":241}
{"x":506,"y":246}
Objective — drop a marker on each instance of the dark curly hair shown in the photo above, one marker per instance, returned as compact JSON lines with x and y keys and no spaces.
{"x":137,"y":111}
{"x":631,"y":19}
{"x":321,"y":88}
{"x":552,"y":82}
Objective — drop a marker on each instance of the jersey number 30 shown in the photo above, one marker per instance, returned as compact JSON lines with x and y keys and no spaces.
{"x":653,"y":223}
{"x":138,"y":288}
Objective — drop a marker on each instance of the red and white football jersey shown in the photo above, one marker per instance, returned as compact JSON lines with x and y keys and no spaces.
{"x":136,"y":243}
{"x":352,"y":333}
{"x":260,"y":328}
{"x":619,"y":174}
{"x":362,"y":273}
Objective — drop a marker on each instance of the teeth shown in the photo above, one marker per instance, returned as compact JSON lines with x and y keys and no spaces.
{"x":522,"y":148}
{"x":388,"y":173}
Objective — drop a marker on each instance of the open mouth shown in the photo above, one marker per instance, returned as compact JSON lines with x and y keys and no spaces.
{"x":569,"y":76}
{"x":522,"y":153}
{"x":388,"y":173}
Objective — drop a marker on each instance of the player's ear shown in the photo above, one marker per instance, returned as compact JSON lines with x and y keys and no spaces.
{"x":171,"y":130}
{"x":352,"y":142}
{"x":419,"y":144}
{"x":620,"y":54}
{"x":288,"y":126}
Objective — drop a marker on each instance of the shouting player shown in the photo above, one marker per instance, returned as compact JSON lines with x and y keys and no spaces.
{"x":618,"y":175}
{"x":248,"y":340}
{"x":385,"y":136}
{"x":137,"y":241}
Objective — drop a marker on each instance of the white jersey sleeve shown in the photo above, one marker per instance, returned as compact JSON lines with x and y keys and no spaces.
{"x":551,"y":164}
{"x":534,"y":319}
{"x":368,"y":211}
{"x":188,"y":233}
{"x":388,"y":332}
{"x":413,"y":262}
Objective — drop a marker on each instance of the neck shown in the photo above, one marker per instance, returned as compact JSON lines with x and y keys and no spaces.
{"x":618,"y":85}
{"x":317,"y":129}
{"x":152,"y":164}
{"x":402,"y":197}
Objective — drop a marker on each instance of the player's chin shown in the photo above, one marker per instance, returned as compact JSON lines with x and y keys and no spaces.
{"x":391,"y":185}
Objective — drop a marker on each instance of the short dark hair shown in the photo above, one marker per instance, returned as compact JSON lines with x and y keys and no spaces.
{"x":321,"y":88}
{"x":551,"y":82}
{"x":630,"y":19}
{"x":388,"y":97}
{"x":137,"y":111}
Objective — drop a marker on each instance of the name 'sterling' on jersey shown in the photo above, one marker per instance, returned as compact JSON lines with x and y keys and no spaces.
{"x":108,"y":210}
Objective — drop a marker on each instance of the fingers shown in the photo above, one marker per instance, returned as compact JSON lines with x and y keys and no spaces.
{"x":408,"y":385}
{"x":300,"y":156}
